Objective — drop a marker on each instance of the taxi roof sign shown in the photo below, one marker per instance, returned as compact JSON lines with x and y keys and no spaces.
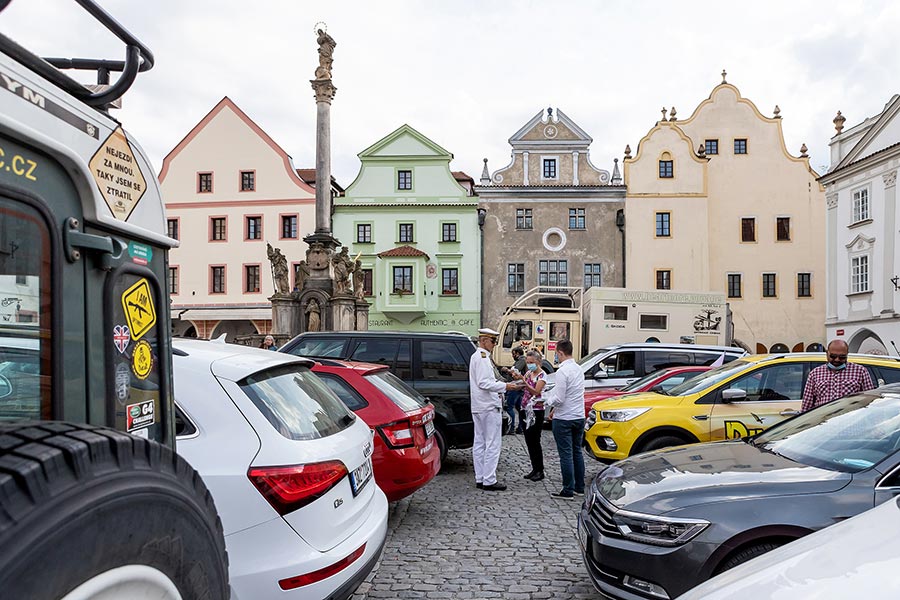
{"x":139,"y":310}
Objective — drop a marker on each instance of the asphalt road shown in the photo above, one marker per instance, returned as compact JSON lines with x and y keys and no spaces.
{"x":451,"y":540}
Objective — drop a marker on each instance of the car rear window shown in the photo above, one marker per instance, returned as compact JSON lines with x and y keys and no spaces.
{"x":320,"y":348}
{"x":406,"y":398}
{"x":297,"y":403}
{"x":344,"y":391}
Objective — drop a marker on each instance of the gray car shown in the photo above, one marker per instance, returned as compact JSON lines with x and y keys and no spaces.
{"x":657,"y":524}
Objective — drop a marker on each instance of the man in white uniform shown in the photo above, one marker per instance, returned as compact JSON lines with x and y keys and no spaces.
{"x":486,"y":393}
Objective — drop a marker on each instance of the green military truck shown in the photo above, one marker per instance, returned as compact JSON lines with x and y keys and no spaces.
{"x":94,"y":501}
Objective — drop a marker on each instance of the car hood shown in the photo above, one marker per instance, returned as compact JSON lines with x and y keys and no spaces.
{"x":676,"y":478}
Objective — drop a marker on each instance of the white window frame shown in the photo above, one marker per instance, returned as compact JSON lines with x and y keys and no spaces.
{"x":861,"y":204}
{"x":860,"y":279}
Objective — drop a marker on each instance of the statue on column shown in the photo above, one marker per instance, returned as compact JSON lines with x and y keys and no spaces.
{"x":359,"y":284}
{"x":279,"y":269}
{"x":302,"y":275}
{"x":313,"y":316}
{"x":326,"y":52}
{"x":343,"y":267}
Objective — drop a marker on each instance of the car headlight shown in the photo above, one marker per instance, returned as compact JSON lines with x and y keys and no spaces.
{"x":659,"y":531}
{"x":622,"y":414}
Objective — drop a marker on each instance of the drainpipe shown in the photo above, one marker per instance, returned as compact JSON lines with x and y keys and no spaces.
{"x":620,"y":223}
{"x":482,"y":213}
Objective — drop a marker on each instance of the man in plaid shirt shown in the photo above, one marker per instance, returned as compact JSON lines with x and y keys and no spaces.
{"x":835,"y":379}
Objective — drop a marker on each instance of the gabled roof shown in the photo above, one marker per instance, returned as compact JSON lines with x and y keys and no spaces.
{"x":224,"y":103}
{"x":309,"y":176}
{"x":403,"y":251}
{"x":891,"y":110}
{"x":374,"y":150}
{"x":561,"y":117}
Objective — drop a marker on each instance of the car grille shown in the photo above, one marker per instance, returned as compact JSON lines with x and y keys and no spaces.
{"x":602,"y":517}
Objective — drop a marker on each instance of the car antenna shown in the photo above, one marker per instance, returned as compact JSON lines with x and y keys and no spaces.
{"x":895,"y":347}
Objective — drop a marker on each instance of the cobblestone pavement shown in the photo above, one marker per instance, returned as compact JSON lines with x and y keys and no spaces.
{"x":451,"y":540}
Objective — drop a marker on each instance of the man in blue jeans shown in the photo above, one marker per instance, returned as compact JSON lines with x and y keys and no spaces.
{"x":514,"y":397}
{"x":567,"y":401}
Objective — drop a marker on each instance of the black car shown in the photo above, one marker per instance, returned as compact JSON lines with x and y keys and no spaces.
{"x":657,"y":524}
{"x":435,"y":364}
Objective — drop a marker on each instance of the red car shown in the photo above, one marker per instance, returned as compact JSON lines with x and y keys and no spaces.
{"x":664,"y":379}
{"x":406,"y":455}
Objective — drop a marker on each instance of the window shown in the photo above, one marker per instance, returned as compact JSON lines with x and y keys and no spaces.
{"x":860,"y":205}
{"x":666,"y":169}
{"x":560,"y":330}
{"x":615,"y":313}
{"x":218,"y":231}
{"x":364,"y":233}
{"x":173,"y":280}
{"x":769,"y":289}
{"x":804,"y":285}
{"x":403,"y":280}
{"x":712,"y":146}
{"x":404,"y":180}
{"x":576,"y":218}
{"x":740,"y":146}
{"x":859,"y":274}
{"x":172,"y":228}
{"x":289,"y":227}
{"x":778,"y":382}
{"x":343,"y":390}
{"x":655,"y":322}
{"x":204,"y":182}
{"x":254,"y":228}
{"x":248,"y":181}
{"x":523,"y":218}
{"x":448,"y":232}
{"x":515,"y":278}
{"x":217,"y":280}
{"x":592,"y":273}
{"x":367,"y":281}
{"x":549,"y":168}
{"x":734,"y":285}
{"x":450,"y":285}
{"x":251,"y":278}
{"x":783,"y":229}
{"x":517,"y":331}
{"x":406,"y":232}
{"x":553,"y":273}
{"x":654,"y":361}
{"x":620,"y":364}
{"x":443,"y":361}
{"x":664,"y":279}
{"x":748,"y":229}
{"x":663,"y":221}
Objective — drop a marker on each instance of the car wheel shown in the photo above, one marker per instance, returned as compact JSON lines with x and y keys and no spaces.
{"x":114,"y":515}
{"x":746,"y":554}
{"x":662,"y":441}
{"x":442,"y":445}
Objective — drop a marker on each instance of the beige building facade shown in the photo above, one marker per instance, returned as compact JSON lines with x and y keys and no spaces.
{"x":717,"y":203}
{"x":229,"y":190}
{"x":550,"y":218}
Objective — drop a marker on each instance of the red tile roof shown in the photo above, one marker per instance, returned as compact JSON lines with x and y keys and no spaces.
{"x":309,"y":176}
{"x":403,"y":251}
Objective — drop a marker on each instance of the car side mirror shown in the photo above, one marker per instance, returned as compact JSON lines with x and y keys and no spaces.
{"x":733,"y":394}
{"x":601,"y":374}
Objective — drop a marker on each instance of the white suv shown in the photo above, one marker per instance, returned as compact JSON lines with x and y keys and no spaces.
{"x":289,"y":468}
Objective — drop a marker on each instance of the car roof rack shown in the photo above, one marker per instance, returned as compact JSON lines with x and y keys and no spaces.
{"x":138,"y":58}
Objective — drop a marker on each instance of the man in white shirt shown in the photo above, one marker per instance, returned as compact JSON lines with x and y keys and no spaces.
{"x":486,"y":394}
{"x":567,"y":400}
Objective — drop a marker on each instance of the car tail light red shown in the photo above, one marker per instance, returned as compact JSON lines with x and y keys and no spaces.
{"x":308,"y":578}
{"x":290,"y":488}
{"x":398,"y":434}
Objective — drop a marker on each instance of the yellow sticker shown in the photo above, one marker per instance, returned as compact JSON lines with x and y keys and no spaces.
{"x":139,"y":311}
{"x":118,"y":175}
{"x":142,"y":359}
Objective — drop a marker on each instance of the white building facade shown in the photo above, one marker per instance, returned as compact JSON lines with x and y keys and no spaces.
{"x":863,"y":257}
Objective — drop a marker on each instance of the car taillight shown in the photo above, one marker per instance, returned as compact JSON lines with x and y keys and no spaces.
{"x":398,"y":434}
{"x":290,"y":488}
{"x":300,"y":580}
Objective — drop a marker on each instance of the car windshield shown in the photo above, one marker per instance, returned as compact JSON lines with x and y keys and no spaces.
{"x":297,"y":403}
{"x":709,"y":378}
{"x":406,"y":398}
{"x":587,"y":359}
{"x":850,"y":434}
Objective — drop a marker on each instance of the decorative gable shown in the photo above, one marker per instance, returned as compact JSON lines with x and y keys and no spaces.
{"x":405,"y":142}
{"x":881,"y":134}
{"x":861,"y":243}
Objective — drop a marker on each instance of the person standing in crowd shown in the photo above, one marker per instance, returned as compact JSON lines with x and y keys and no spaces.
{"x":835,"y":379}
{"x":514,"y":397}
{"x":487,"y":399}
{"x":533,"y":410}
{"x":567,"y":401}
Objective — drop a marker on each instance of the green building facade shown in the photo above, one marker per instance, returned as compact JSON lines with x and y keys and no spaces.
{"x":415,"y":230}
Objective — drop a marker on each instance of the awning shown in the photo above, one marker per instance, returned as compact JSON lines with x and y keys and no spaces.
{"x":223,"y":314}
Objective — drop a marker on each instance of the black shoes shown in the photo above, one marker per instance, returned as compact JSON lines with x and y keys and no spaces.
{"x":530,"y":475}
{"x":479,"y":485}
{"x":563,"y":495}
{"x":494,"y":487}
{"x":538,"y":475}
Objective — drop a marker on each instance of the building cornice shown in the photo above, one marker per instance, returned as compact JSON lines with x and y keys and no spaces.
{"x":866,"y":162}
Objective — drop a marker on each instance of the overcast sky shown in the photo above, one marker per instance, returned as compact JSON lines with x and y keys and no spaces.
{"x":469,"y":74}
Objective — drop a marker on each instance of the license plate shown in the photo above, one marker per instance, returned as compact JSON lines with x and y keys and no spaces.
{"x":429,"y":429}
{"x":582,"y":535}
{"x":360,"y":476}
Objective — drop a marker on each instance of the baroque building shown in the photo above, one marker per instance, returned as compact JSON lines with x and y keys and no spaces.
{"x":717,"y":203}
{"x":863,"y":256}
{"x":550,"y":218}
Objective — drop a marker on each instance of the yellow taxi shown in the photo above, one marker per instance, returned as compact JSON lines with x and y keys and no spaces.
{"x":736,"y":400}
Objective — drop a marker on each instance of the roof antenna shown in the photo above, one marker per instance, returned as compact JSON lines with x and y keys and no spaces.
{"x":895,"y":347}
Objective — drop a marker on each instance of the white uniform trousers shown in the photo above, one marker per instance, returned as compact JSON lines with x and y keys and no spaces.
{"x":486,"y":449}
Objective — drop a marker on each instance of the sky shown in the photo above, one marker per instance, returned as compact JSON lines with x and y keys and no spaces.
{"x":468,"y":74}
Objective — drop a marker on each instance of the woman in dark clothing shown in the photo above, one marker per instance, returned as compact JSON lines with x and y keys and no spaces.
{"x":533,"y":408}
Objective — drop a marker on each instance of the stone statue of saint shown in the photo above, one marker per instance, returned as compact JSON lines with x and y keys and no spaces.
{"x":302,"y":274}
{"x":343,"y":267}
{"x":359,"y":286}
{"x":326,"y":51}
{"x":279,"y":269}
{"x":313,"y":318}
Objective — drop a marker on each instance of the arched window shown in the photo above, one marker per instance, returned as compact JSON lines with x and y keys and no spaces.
{"x":666,"y":166}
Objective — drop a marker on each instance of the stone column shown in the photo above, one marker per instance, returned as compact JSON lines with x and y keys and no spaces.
{"x":890,"y":228}
{"x":325,"y":91}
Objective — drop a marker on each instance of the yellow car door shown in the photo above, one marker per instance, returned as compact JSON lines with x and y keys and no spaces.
{"x":757,"y":400}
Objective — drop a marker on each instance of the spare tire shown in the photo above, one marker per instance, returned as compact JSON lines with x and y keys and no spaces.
{"x":105,"y":512}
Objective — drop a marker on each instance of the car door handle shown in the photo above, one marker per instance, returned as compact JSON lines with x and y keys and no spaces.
{"x":789,"y":412}
{"x":701,"y":417}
